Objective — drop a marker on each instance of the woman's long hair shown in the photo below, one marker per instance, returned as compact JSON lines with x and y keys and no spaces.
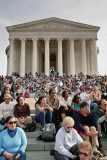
{"x":39,"y":100}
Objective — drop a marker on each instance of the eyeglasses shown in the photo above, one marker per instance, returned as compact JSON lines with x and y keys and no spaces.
{"x":70,"y":127}
{"x":81,"y":153}
{"x":78,"y":98}
{"x":14,"y":122}
{"x":53,"y":93}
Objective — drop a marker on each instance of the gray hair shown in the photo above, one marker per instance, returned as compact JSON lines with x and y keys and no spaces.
{"x":68,"y":120}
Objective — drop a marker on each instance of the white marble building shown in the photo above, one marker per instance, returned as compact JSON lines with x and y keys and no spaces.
{"x":52,"y":43}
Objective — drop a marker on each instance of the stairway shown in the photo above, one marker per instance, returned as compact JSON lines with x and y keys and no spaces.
{"x":39,"y":150}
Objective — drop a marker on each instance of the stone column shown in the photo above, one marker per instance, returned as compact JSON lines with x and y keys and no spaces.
{"x":88,"y":59}
{"x":60,"y":68}
{"x":11,"y":50}
{"x":95,"y":57}
{"x":7,"y":64}
{"x":84,"y":60}
{"x":22,"y":58}
{"x":91,"y":58}
{"x":68,"y":59}
{"x":72,"y":57}
{"x":47,"y":57}
{"x":34,"y":57}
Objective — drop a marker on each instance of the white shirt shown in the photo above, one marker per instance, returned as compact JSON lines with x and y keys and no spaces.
{"x":62,"y":101}
{"x":6,"y":109}
{"x":65,"y":140}
{"x":84,"y":96}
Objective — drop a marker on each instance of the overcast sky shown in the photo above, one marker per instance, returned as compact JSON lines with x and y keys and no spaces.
{"x":93,"y":12}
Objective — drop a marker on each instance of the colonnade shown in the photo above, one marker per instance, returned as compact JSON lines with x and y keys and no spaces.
{"x":88,"y":53}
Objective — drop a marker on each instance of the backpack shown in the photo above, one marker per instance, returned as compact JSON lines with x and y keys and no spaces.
{"x":31,"y":127}
{"x":48,"y":134}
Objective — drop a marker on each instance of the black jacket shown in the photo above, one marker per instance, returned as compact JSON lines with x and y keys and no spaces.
{"x":98,"y":113}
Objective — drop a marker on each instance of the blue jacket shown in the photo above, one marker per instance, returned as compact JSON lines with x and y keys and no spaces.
{"x":14,"y":145}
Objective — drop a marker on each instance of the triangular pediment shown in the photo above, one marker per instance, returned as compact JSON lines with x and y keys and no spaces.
{"x":51,"y":24}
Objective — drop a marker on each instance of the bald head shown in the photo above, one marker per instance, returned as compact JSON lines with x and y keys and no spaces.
{"x":103,"y":104}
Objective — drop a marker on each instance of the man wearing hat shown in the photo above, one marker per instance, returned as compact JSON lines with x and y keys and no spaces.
{"x":6,"y":109}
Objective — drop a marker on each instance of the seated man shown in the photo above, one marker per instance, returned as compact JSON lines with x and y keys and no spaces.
{"x":100,"y":114}
{"x":86,"y":125}
{"x":67,"y":140}
{"x":6,"y":109}
{"x":85,"y":151}
{"x":85,"y":96}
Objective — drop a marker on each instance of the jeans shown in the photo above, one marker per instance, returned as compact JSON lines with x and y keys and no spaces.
{"x":92,"y":106}
{"x":40,"y":118}
{"x":22,"y":157}
{"x":14,"y":96}
{"x":73,"y":150}
{"x":2,"y":126}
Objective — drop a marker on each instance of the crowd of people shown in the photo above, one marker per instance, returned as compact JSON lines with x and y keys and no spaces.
{"x":40,"y":84}
{"x":79,"y":102}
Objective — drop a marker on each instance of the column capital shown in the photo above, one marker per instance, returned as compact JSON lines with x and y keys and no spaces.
{"x":83,"y":39}
{"x":46,"y":39}
{"x":71,"y":39}
{"x":22,"y":39}
{"x":59,"y":39}
{"x":34,"y":39}
{"x":94,"y":39}
{"x":11,"y":39}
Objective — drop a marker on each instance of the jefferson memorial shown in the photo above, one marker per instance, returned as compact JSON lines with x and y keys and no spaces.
{"x":52,"y":44}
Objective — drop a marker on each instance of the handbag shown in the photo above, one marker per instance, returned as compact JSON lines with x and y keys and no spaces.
{"x":31,"y":127}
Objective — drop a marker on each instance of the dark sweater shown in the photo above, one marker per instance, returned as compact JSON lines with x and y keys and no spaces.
{"x":21,"y":111}
{"x":77,"y":158}
{"x":81,"y":120}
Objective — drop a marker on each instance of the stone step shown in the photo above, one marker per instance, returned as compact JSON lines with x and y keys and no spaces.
{"x":34,"y":145}
{"x":34,"y":134}
{"x":32,"y":111}
{"x":39,"y":155}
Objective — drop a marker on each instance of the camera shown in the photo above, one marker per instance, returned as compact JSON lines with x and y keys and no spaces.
{"x":2,"y":121}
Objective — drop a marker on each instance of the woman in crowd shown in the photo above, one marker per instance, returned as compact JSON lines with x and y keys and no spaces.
{"x":65,"y":103}
{"x":75,"y":106}
{"x":13,"y":141}
{"x":85,"y":151}
{"x":95,"y":97}
{"x":43,"y":111}
{"x":22,"y":113}
{"x":53,"y":102}
{"x":67,"y":140}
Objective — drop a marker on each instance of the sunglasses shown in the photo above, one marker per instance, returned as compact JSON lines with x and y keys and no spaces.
{"x":81,"y":153}
{"x":14,"y":122}
{"x":53,"y":93}
{"x":70,"y":127}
